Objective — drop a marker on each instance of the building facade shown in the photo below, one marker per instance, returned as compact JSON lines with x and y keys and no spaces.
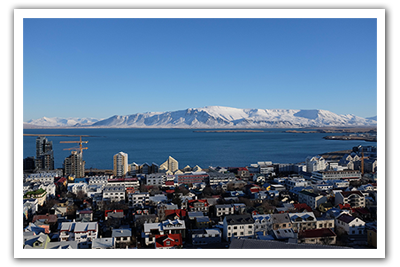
{"x":120,"y":164}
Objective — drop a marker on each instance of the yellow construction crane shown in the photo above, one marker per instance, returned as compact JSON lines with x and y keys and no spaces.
{"x":80,"y":142}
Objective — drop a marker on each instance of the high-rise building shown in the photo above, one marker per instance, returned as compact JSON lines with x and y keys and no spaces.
{"x":120,"y":164}
{"x":44,"y":154}
{"x":171,"y":164}
{"x":74,"y":165}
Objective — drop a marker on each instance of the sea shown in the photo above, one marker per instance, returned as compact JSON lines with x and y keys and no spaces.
{"x":188,"y":147}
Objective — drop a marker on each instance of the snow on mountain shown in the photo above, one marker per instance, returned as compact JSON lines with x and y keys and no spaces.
{"x":61,"y":122}
{"x":215,"y":117}
{"x":227,"y":117}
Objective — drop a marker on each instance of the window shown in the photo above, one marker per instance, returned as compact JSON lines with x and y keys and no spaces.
{"x":168,"y":243}
{"x":235,"y":227}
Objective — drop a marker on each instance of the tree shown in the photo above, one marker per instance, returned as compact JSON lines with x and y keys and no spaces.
{"x":80,"y":195}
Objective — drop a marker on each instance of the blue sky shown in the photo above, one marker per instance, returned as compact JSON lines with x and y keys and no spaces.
{"x":103,"y":67}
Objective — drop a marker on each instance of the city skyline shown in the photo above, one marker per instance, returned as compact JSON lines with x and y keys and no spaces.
{"x":106,"y":67}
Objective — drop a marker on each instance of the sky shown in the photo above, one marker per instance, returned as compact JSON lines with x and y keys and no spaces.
{"x":97,"y":68}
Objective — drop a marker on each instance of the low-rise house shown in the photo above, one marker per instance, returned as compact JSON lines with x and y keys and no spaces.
{"x":203,"y":222}
{"x":198,"y":205}
{"x":39,"y":241}
{"x":281,"y":221}
{"x":168,"y":241}
{"x":303,"y":221}
{"x":324,"y":207}
{"x":125,"y":182}
{"x":84,"y":215}
{"x":94,"y":189}
{"x":123,"y":237}
{"x":63,"y":245}
{"x":77,"y":187}
{"x":174,"y":227}
{"x":350,"y":225}
{"x":284,"y":234}
{"x":220,"y":177}
{"x":150,"y":231}
{"x":324,"y":236}
{"x":325,"y":222}
{"x":235,"y":226}
{"x":205,"y":236}
{"x":103,"y":243}
{"x":98,"y":180}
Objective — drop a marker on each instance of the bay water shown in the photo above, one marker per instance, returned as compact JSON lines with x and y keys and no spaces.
{"x":228,"y":149}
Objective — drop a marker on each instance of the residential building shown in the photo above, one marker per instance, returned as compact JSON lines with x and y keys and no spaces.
{"x":170,"y":164}
{"x":114,"y":193}
{"x":215,"y":178}
{"x":350,"y":175}
{"x":83,"y":232}
{"x":198,"y":205}
{"x":262,"y":223}
{"x":303,"y":221}
{"x":315,"y":163}
{"x":155,"y":179}
{"x":235,"y":226}
{"x":122,"y":237}
{"x":103,"y":243}
{"x":223,"y":210}
{"x":280,"y":221}
{"x":120,"y":164}
{"x":206,"y":236}
{"x":139,"y":198}
{"x":191,"y":178}
{"x":311,"y":199}
{"x":44,"y":154}
{"x":168,"y":241}
{"x":324,"y":236}
{"x":125,"y":182}
{"x":174,"y":227}
{"x":355,"y":199}
{"x":39,"y":241}
{"x":74,"y":165}
{"x":350,"y":225}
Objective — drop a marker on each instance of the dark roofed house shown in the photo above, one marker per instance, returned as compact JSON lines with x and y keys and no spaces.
{"x":324,"y":236}
{"x":238,"y":226}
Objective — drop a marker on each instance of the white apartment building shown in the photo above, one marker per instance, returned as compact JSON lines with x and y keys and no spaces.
{"x":316,"y":163}
{"x":138,"y":198}
{"x":114,"y":193}
{"x":223,"y":210}
{"x":82,"y":232}
{"x":336,"y":175}
{"x":156,"y":179}
{"x":98,"y":180}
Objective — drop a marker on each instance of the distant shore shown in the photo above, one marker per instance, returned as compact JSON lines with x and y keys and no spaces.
{"x":230,"y":131}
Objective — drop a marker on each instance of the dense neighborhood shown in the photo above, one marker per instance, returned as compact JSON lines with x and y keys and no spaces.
{"x":328,"y":201}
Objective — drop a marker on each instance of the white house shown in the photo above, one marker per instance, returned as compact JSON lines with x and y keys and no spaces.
{"x":235,"y":226}
{"x":351,"y":225}
{"x":138,"y":198}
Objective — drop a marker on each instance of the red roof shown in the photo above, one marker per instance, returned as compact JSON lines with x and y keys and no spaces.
{"x":112,"y":211}
{"x":169,"y":183}
{"x":171,"y":240}
{"x":302,"y":206}
{"x":170,"y":191}
{"x":51,"y":218}
{"x":179,"y":212}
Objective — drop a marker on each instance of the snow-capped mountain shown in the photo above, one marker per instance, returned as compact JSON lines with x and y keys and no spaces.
{"x":226,"y":117}
{"x":217,"y":117}
{"x":60,"y":122}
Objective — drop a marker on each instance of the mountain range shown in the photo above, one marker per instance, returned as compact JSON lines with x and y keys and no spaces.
{"x":213,"y":117}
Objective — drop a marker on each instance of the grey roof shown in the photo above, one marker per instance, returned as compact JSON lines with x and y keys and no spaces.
{"x":103,"y":243}
{"x":63,"y":245}
{"x":121,"y":232}
{"x":280,"y":218}
{"x":272,"y":244}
